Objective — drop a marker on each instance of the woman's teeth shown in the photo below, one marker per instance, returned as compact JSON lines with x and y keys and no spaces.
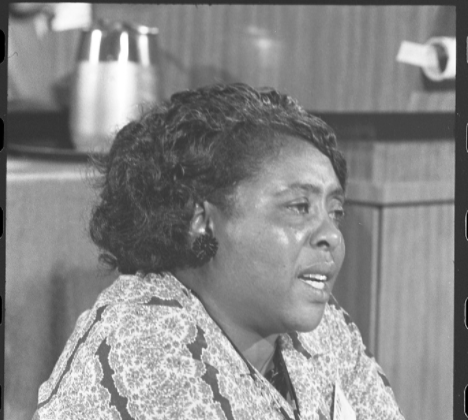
{"x":317,"y":281}
{"x":317,"y":284}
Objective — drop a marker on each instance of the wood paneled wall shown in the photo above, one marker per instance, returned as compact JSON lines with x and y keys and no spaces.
{"x":339,"y":58}
{"x":393,"y":161}
{"x":331,"y":58}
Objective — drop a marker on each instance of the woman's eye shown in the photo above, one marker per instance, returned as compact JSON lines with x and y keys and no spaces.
{"x":338,"y":216}
{"x":302,"y":208}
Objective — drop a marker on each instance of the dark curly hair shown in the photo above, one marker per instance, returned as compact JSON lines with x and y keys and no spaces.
{"x":197,"y":146}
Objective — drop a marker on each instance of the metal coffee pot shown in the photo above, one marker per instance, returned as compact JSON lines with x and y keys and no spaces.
{"x":116,"y":78}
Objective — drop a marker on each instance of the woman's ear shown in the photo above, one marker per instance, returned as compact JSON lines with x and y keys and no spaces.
{"x":201,"y":219}
{"x":198,"y":222}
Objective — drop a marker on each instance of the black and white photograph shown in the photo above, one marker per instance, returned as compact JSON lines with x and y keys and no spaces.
{"x":230,"y":211}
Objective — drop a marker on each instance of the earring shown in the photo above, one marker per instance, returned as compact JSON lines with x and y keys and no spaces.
{"x":204,"y":247}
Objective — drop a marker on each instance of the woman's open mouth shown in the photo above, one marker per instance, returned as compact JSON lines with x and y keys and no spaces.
{"x":317,"y":281}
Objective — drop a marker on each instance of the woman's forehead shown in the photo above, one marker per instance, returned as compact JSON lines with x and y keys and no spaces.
{"x":295,"y":155}
{"x":297,"y":165}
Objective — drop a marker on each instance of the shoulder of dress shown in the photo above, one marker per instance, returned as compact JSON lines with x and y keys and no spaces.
{"x":151,"y":289}
{"x":136,"y":307}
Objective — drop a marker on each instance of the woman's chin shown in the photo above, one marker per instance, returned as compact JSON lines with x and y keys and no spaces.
{"x":309,"y":320}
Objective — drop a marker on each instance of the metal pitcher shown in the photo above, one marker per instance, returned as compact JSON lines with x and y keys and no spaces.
{"x":117,"y":76}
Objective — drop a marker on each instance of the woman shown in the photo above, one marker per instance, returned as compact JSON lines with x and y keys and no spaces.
{"x":221,"y":209}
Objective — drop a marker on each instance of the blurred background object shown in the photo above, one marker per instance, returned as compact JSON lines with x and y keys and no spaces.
{"x":56,"y":16}
{"x":395,"y":126}
{"x":115,"y":78}
{"x":115,"y":71}
{"x":41,"y":42}
{"x":437,"y":57}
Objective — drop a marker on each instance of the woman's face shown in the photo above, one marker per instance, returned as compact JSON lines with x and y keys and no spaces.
{"x":281,"y":251}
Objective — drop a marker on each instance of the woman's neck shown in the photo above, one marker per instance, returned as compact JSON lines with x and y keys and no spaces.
{"x":260,"y":355}
{"x":257,"y":348}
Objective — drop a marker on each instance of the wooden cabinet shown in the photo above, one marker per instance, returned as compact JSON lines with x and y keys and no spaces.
{"x":52,"y":272}
{"x":397,"y":281}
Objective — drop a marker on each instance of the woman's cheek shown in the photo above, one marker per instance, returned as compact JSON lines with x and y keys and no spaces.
{"x":343,"y":248}
{"x":282,"y":237}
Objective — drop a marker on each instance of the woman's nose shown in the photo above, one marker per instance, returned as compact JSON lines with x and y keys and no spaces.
{"x":327,"y":235}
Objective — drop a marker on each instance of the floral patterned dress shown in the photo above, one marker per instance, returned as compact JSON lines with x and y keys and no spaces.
{"x":149,"y":350}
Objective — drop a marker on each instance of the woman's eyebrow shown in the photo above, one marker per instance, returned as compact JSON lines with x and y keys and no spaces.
{"x":339,"y":193}
{"x":311,"y":189}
